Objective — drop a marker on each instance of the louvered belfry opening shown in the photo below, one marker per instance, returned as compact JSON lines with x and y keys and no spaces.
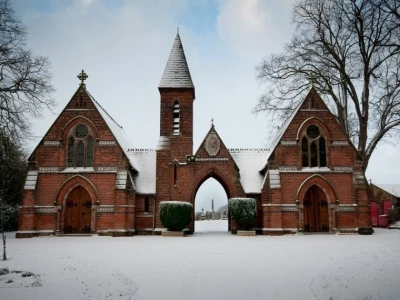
{"x":176,"y":117}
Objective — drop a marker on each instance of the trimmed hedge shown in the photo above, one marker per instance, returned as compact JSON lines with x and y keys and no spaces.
{"x":175,"y":215}
{"x":243,"y":211}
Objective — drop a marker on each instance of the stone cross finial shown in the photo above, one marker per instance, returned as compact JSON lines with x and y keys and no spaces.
{"x":313,"y":79}
{"x":212,"y":122}
{"x":82,"y":77}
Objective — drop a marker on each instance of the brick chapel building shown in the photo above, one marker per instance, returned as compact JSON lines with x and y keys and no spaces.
{"x":85,"y":177}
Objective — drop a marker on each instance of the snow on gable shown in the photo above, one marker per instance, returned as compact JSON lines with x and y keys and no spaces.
{"x":116,"y":129}
{"x":144,"y":162}
{"x":278,"y":135}
{"x":250,"y":162}
{"x":393,"y":189}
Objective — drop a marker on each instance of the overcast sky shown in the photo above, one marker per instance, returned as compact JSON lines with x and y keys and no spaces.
{"x":124,"y":45}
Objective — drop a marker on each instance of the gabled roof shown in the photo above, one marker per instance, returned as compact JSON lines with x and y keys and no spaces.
{"x":250,"y":162}
{"x":176,"y":73}
{"x":393,"y":189}
{"x":211,"y":131}
{"x":119,"y":134}
{"x":141,"y":160}
{"x":278,"y":135}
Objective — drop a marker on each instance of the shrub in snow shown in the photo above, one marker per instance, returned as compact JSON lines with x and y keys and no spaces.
{"x":10,"y":214}
{"x":393,"y":215}
{"x":243,"y":211}
{"x":175,"y":215}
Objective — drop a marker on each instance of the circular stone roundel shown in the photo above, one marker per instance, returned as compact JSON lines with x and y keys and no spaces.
{"x":212,"y":144}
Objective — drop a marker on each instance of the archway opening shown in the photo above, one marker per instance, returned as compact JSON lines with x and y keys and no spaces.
{"x":316,"y":218}
{"x":211,"y":207}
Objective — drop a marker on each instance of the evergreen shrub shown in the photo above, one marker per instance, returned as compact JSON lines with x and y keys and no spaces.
{"x":393,"y":215}
{"x":243,"y":211}
{"x":175,"y":215}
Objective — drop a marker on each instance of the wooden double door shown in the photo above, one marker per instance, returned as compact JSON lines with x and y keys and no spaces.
{"x":78,"y":212}
{"x":315,"y":206}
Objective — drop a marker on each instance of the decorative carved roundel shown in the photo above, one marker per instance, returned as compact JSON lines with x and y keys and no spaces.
{"x":213,"y":144}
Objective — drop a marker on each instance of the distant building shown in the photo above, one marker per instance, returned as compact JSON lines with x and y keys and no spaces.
{"x":85,"y":177}
{"x":385,"y":197}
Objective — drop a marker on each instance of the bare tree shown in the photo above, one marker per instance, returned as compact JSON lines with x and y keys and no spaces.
{"x":25,"y":88}
{"x":25,"y":81}
{"x":350,"y":51}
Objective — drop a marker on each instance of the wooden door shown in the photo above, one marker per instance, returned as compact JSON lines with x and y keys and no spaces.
{"x":316,"y":218}
{"x":78,"y":211}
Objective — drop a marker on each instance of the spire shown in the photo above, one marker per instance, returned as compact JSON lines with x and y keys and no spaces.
{"x":176,"y":73}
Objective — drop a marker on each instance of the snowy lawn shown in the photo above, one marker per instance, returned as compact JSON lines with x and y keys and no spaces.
{"x":207,"y":265}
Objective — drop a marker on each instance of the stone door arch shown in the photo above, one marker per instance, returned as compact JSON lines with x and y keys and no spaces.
{"x":315,"y":210}
{"x":78,"y":211}
{"x":317,"y":205}
{"x":76,"y":203}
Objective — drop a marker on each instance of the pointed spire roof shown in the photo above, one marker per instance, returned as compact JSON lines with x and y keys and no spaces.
{"x":176,"y":73}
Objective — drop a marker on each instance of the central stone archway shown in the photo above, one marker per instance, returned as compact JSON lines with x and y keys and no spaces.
{"x":228,"y":186}
{"x":210,"y":197}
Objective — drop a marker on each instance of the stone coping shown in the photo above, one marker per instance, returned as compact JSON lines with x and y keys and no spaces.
{"x":246,"y":233}
{"x":173,"y":233}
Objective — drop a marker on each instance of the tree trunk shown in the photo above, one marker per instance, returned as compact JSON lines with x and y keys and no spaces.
{"x":2,"y":228}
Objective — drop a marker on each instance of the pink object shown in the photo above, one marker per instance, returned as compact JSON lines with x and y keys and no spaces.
{"x":387,"y":204}
{"x":374,"y":214}
{"x":382,"y":221}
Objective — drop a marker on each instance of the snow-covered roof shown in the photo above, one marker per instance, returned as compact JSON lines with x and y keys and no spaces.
{"x":176,"y":73}
{"x":119,"y":134}
{"x":250,"y":162}
{"x":144,"y":162}
{"x":393,"y":189}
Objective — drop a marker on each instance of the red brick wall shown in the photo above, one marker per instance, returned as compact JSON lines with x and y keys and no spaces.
{"x":53,"y":186}
{"x":342,"y":183}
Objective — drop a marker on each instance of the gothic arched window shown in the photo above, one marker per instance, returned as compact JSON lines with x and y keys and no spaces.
{"x":176,"y":118}
{"x":80,"y":148}
{"x":313,"y":148}
{"x":175,"y":174}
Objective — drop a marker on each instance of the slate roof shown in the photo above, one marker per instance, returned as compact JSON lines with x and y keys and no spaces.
{"x":250,"y":162}
{"x":393,"y":189}
{"x":176,"y":73}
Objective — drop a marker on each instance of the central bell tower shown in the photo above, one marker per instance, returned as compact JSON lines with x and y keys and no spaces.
{"x":176,"y":104}
{"x":176,"y":125}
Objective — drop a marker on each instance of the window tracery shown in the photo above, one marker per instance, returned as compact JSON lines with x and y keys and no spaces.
{"x":313,"y":148}
{"x":80,"y":148}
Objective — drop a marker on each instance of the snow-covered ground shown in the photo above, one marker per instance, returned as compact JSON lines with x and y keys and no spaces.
{"x":395,"y":225}
{"x":206,"y":265}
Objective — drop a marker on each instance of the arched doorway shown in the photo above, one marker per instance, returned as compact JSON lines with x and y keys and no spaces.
{"x":316,"y":217}
{"x":78,"y":211}
{"x":211,"y":205}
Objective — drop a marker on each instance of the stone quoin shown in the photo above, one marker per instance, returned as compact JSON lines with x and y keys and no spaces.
{"x":85,"y":177}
